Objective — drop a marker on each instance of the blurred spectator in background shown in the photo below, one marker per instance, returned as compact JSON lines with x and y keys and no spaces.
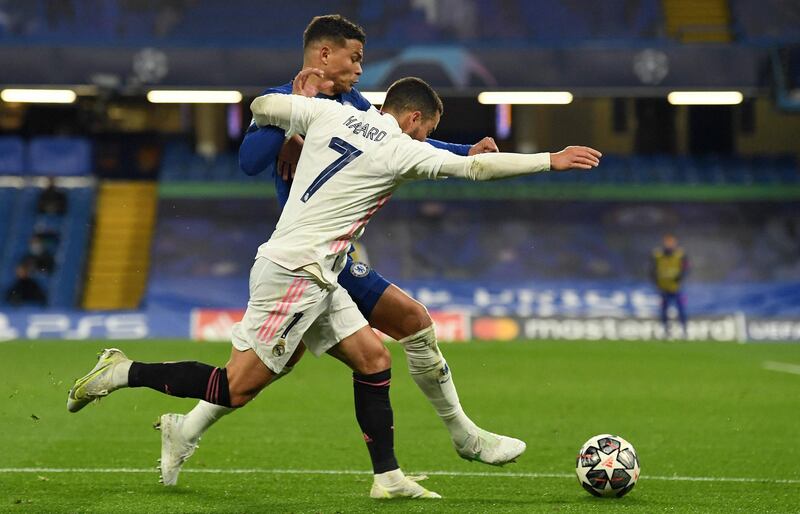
{"x":25,"y":290}
{"x":39,"y":258}
{"x":52,"y":200}
{"x":669,"y":268}
{"x":47,"y":230}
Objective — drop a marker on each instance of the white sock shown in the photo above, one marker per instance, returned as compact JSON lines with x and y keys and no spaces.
{"x":119,"y":376}
{"x":199,"y":419}
{"x":430,"y":371}
{"x":388,"y":479}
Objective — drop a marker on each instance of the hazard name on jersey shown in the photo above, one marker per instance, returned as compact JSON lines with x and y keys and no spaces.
{"x":364,"y":130}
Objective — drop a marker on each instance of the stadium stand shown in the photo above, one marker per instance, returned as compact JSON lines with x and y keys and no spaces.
{"x":458,"y":246}
{"x":518,"y":21}
{"x":181,"y":164}
{"x":19,"y":207}
{"x":392,"y":23}
{"x":765,"y":21}
{"x":22,"y":169}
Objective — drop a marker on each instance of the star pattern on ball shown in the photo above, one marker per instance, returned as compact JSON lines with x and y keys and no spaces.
{"x":607,"y":466}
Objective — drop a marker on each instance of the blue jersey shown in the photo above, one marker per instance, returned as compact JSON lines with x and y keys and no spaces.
{"x":261,"y":146}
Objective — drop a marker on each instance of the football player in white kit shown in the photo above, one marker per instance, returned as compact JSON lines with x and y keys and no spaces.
{"x":352,"y":162}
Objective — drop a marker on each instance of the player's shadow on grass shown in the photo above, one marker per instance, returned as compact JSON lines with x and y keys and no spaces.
{"x":627,"y":502}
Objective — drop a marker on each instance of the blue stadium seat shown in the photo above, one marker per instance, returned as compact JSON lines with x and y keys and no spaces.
{"x":12,"y":155}
{"x":63,"y":285}
{"x":7,"y":200}
{"x":176,"y":161}
{"x":713,"y":171}
{"x":180,"y":163}
{"x":20,"y":229}
{"x":693,"y":172}
{"x":60,"y":156}
{"x":788,"y":171}
{"x":240,"y":22}
{"x":396,"y":23}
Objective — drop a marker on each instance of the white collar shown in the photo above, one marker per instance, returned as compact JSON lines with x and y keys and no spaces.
{"x":392,"y":119}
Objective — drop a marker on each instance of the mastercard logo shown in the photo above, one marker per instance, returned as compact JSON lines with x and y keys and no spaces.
{"x":501,"y":329}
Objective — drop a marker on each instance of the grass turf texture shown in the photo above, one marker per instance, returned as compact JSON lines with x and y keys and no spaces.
{"x":690,"y":409}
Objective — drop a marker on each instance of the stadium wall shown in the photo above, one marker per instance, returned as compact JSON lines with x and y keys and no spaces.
{"x":452,"y":326}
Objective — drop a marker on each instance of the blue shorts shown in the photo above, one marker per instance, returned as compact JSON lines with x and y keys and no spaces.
{"x":364,"y":285}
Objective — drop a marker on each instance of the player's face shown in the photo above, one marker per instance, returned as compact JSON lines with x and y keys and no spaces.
{"x":343,"y":65}
{"x":422,"y":127}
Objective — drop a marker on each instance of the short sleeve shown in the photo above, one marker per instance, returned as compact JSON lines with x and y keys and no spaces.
{"x":415,"y":160}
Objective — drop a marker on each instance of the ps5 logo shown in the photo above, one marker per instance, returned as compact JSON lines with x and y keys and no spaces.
{"x":63,"y":326}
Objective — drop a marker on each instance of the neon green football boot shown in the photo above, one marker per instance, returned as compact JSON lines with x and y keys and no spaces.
{"x":108,"y":375}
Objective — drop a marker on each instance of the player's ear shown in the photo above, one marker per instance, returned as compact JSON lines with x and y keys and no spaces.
{"x":324,"y":53}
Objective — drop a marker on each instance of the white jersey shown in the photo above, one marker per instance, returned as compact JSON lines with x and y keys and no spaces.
{"x":351,"y":163}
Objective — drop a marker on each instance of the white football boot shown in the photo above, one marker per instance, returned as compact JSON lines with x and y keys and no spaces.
{"x":100,"y":381}
{"x":175,"y":447}
{"x":394,"y":484}
{"x":489,"y":448}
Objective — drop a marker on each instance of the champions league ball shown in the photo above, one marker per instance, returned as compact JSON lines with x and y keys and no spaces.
{"x":607,"y":465}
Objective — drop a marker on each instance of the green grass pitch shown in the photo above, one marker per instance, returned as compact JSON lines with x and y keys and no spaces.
{"x":715,"y":432}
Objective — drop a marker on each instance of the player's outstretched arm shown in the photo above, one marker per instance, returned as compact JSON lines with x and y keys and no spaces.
{"x":490,"y":166}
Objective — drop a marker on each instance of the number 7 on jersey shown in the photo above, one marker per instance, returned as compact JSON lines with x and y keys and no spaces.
{"x":348,"y":151}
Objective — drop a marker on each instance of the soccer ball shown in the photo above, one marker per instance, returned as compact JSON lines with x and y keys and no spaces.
{"x":607,"y":465}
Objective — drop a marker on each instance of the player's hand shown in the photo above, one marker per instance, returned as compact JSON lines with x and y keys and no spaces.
{"x":575,"y":157}
{"x":485,"y":145}
{"x":309,"y":82}
{"x":288,"y":157}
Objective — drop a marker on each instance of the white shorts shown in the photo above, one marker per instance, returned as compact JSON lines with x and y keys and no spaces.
{"x":286,"y":307}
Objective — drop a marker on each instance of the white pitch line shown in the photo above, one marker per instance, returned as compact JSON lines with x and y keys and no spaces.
{"x":245,"y":471}
{"x":783,"y":367}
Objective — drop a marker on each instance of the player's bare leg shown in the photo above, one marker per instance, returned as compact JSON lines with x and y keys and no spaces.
{"x":371,"y":363}
{"x":180,"y":434}
{"x":401,"y":317}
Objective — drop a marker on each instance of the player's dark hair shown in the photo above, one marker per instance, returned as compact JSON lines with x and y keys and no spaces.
{"x":413,"y":94}
{"x":333,"y":27}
